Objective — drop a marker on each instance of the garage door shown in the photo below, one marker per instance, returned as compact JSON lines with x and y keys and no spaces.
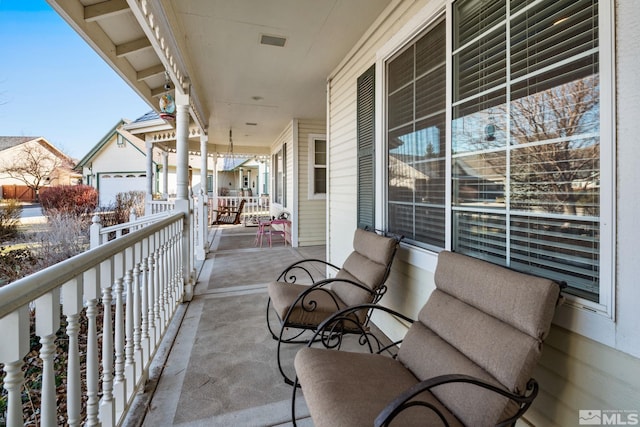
{"x":110,"y":185}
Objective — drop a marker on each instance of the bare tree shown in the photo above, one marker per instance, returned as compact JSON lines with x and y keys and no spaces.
{"x":34,"y":165}
{"x":555,"y":147}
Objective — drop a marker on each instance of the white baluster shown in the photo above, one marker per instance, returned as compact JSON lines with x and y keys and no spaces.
{"x":13,"y":382}
{"x":107,"y":404}
{"x":119,"y":380}
{"x":92,"y":363}
{"x":129,"y":367}
{"x":15,"y":345}
{"x":166,"y":282}
{"x":144,"y":327}
{"x":71,"y":307}
{"x":137,"y":321}
{"x":160,"y":264}
{"x":157,"y":263}
{"x":92,"y":292}
{"x":152,"y":277}
{"x":47,"y":324}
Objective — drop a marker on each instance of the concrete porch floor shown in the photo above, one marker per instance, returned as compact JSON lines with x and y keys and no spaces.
{"x":217,"y":364}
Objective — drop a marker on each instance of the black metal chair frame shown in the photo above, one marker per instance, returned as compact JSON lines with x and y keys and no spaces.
{"x":307,"y":302}
{"x":330,"y":333}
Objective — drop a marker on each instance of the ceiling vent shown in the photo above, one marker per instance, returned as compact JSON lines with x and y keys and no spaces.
{"x":272,"y":40}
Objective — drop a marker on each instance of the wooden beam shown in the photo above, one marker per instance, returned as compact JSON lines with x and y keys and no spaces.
{"x":150,"y":72}
{"x":159,"y":91}
{"x":105,"y":9}
{"x":132,"y":46}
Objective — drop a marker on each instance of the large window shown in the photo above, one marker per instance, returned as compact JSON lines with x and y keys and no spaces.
{"x":416,"y":89}
{"x":524,"y":155}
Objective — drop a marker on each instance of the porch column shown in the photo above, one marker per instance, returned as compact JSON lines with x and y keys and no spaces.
{"x":183,"y":204}
{"x":182,"y":146}
{"x":165,"y":175}
{"x":203,"y":200}
{"x":149,"y":192}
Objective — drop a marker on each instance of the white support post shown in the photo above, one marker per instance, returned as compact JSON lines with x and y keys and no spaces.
{"x":165,"y":175}
{"x":203,"y":200}
{"x":94,"y":232}
{"x":150,"y":177}
{"x":182,"y":197}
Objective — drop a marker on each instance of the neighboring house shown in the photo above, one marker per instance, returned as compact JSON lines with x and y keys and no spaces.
{"x":116,"y":164}
{"x":119,"y":162}
{"x":28,"y":163}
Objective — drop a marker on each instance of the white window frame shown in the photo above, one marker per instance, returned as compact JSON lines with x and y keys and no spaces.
{"x":595,"y":320}
{"x":276,"y":182}
{"x":312,"y":194}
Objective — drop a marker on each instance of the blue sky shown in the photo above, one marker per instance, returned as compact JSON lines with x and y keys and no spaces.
{"x":53,"y":84}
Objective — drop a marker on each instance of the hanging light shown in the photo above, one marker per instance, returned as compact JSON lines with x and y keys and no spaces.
{"x":229,"y":159}
{"x":167,"y":104}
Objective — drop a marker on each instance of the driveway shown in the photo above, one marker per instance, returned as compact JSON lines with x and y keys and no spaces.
{"x":32,"y":214}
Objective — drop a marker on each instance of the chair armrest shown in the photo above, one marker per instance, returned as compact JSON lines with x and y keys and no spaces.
{"x":306,"y":298}
{"x":288,"y":275}
{"x":403,"y":401}
{"x":224,"y":211}
{"x":328,"y":332}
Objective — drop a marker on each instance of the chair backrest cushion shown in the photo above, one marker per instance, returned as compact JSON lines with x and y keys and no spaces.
{"x":482,"y":320}
{"x":368,"y":265}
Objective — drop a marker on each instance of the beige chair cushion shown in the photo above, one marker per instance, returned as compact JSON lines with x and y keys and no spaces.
{"x":345,"y":389}
{"x":524,"y":301}
{"x":482,"y":320}
{"x":367,"y":265}
{"x":284,"y":294}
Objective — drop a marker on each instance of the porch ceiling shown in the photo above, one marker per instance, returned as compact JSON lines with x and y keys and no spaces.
{"x":215,"y":45}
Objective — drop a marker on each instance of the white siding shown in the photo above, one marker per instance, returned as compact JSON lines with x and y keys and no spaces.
{"x":575,"y":372}
{"x":312,"y":213}
{"x":112,"y":158}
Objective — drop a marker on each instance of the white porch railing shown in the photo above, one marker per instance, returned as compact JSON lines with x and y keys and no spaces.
{"x":156,"y":206}
{"x":99,"y":235}
{"x":254,"y":207}
{"x":138,"y":277}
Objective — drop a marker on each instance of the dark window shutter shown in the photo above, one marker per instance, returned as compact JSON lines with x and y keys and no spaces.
{"x":366,"y":148}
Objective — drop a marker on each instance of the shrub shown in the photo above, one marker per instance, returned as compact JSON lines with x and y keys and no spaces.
{"x":15,"y":264}
{"x":67,"y":235}
{"x":69,"y":199}
{"x":127,"y":201}
{"x":10,"y":212}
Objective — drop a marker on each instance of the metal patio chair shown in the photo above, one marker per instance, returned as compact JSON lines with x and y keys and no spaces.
{"x":302,"y":307}
{"x":466,"y":360}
